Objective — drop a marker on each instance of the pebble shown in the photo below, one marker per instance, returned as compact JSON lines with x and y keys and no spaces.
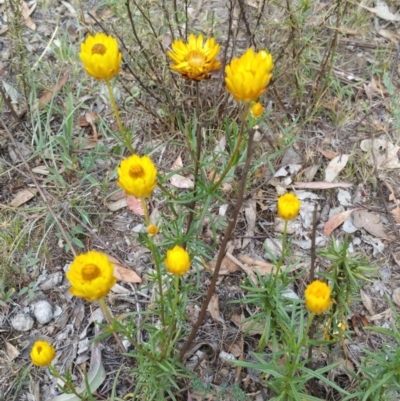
{"x":43,"y":312}
{"x":22,"y":322}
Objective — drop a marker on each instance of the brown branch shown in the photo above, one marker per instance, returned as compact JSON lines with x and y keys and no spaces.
{"x":221,"y":254}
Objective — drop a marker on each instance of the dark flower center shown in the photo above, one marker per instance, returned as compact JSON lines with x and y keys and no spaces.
{"x":136,"y":171}
{"x":99,"y":48}
{"x":90,"y":272}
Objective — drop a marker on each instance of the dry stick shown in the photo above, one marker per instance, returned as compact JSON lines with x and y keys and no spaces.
{"x":221,"y":254}
{"x":176,"y":18}
{"x":49,"y":208}
{"x":246,"y":23}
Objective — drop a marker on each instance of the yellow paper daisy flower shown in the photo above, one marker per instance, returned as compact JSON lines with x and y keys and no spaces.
{"x":288,"y":206}
{"x":257,"y":110}
{"x":177,"y":260}
{"x":91,"y":276}
{"x":42,"y":353}
{"x":100,"y":56}
{"x":194,"y":60}
{"x":318,"y":296}
{"x":137,"y":176}
{"x":247,"y":77}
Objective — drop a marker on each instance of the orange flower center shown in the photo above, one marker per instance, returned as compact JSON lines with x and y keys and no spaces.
{"x":90,"y":272}
{"x":99,"y":48}
{"x":196,"y":59}
{"x":39,"y":349}
{"x":136,"y":172}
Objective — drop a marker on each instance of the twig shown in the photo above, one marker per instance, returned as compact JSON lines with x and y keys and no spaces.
{"x":313,"y":235}
{"x":221,"y":254}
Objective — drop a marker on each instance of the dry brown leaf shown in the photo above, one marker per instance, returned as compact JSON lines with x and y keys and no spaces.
{"x":366,"y":300}
{"x":235,"y":348}
{"x":262,"y":267}
{"x":389,"y":35}
{"x":250,"y":213}
{"x":392,"y":196}
{"x":123,"y":273}
{"x":12,"y":352}
{"x":396,"y":296}
{"x":250,"y":327}
{"x":386,"y":314}
{"x":396,"y":214}
{"x":336,"y":221}
{"x":23,"y":196}
{"x":370,"y":222}
{"x":179,"y":181}
{"x":213,"y":308}
{"x":48,"y":95}
{"x":118,"y":195}
{"x":135,"y":205}
{"x":26,"y":13}
{"x":327,"y":153}
{"x":43,"y":170}
{"x":178,"y":163}
{"x":321,"y":185}
{"x":335,"y":166}
{"x":227,"y":266}
{"x":117,"y":205}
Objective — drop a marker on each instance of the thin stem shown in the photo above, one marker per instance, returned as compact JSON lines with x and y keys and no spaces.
{"x":145,"y":210}
{"x":196,"y":161}
{"x":109,"y":318}
{"x":224,"y":243}
{"x":70,"y":386}
{"x":159,"y":279}
{"x":235,"y":152}
{"x":173,"y":322}
{"x":118,"y":117}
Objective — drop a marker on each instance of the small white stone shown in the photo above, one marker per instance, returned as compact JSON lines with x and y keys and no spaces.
{"x":22,"y":322}
{"x":43,"y":312}
{"x":226,"y":357}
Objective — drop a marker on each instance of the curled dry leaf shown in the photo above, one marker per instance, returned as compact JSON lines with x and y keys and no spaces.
{"x":123,"y":273}
{"x":335,"y":166}
{"x":336,"y":221}
{"x":396,"y":296}
{"x":23,"y":196}
{"x":213,"y":308}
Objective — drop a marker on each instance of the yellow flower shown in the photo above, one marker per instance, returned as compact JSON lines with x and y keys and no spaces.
{"x":318,"y":296}
{"x":257,"y":109}
{"x":42,"y":353}
{"x":100,"y":56}
{"x":193,"y":60}
{"x":91,"y":276}
{"x":177,"y":260}
{"x":288,"y":206}
{"x":137,"y":176}
{"x":152,"y":230}
{"x":247,"y":77}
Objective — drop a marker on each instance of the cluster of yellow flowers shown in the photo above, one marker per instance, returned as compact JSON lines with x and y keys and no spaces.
{"x":91,"y":274}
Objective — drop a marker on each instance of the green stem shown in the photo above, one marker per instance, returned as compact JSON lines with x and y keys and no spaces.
{"x":118,"y":117}
{"x":110,"y":321}
{"x":70,"y":386}
{"x":159,"y":280}
{"x":145,"y":210}
{"x":173,"y":322}
{"x":236,"y":150}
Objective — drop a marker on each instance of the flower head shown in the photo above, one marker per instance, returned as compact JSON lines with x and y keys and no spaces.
{"x":100,"y":56}
{"x":91,"y":276}
{"x":177,"y":260}
{"x":42,"y":353}
{"x":247,"y":77}
{"x":194,"y":60}
{"x":288,"y":206}
{"x":137,"y":176}
{"x":257,"y":109}
{"x":152,"y":230}
{"x":318,"y":296}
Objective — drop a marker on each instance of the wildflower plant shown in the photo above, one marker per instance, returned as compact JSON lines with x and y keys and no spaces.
{"x":291,"y":328}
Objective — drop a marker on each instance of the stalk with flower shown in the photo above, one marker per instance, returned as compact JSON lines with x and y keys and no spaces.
{"x":101,"y":59}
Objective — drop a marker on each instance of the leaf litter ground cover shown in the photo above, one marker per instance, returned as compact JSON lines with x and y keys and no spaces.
{"x":329,"y":133}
